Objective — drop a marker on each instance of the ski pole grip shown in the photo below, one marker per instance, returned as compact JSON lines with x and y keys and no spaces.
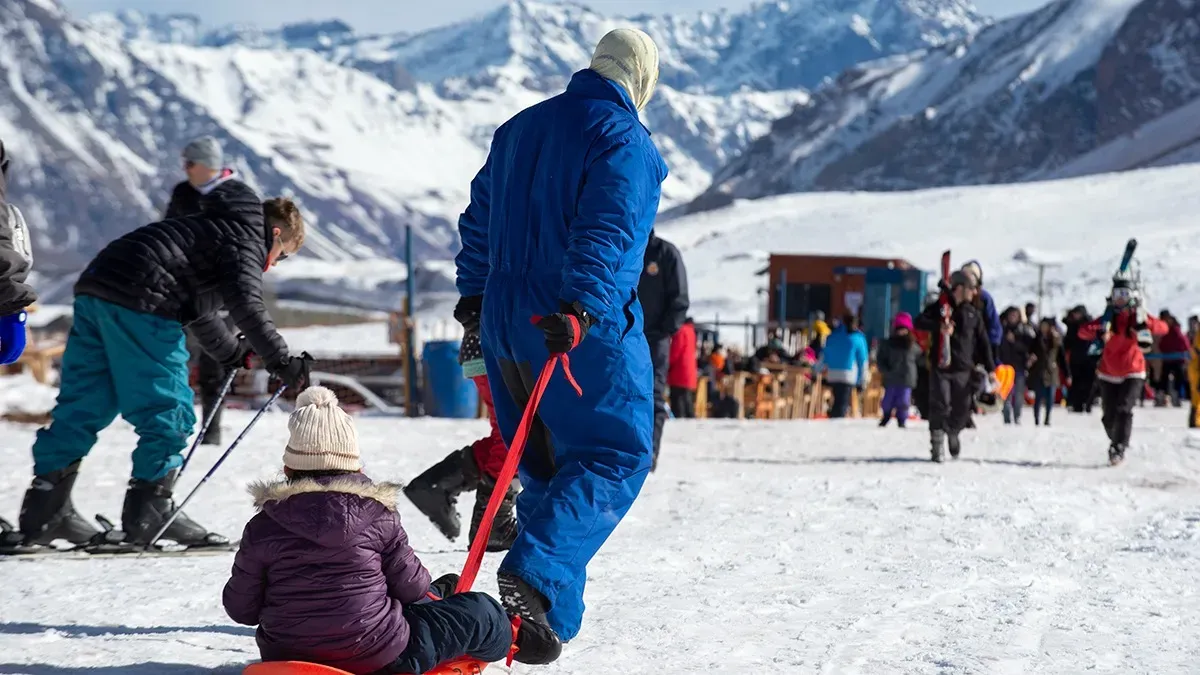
{"x":12,"y":337}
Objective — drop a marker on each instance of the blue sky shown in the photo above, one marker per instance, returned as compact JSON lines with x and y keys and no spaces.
{"x":396,"y":15}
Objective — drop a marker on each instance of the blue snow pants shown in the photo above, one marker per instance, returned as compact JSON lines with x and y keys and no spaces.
{"x":587,"y":455}
{"x":118,"y":361}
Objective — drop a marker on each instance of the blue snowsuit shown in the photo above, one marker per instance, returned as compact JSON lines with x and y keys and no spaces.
{"x":994,"y":330}
{"x":562,"y":211}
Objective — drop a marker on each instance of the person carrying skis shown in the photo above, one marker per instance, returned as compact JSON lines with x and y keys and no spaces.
{"x":326,"y":572}
{"x":897,"y":360}
{"x":474,"y":467}
{"x":127,"y":354}
{"x":16,"y":255}
{"x":663,"y":294}
{"x":950,"y":389}
{"x":558,"y":223}
{"x":1122,"y":370}
{"x":204,"y":164}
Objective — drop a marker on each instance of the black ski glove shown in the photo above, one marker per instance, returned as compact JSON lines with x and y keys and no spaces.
{"x":240,"y":358}
{"x":566,"y":329}
{"x":293,"y":371}
{"x":444,"y":586}
{"x":467,"y":312}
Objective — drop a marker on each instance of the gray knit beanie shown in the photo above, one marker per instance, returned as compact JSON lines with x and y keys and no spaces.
{"x":205,"y":151}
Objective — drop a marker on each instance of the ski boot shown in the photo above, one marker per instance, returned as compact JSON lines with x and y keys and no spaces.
{"x":504,"y":527}
{"x":521,"y":599}
{"x":937,"y":440}
{"x":1116,"y":454}
{"x":435,"y":492}
{"x":149,"y":503}
{"x":47,"y":513}
{"x":954,"y":444}
{"x":535,"y":643}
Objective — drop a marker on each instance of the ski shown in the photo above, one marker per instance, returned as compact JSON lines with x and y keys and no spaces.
{"x":109,"y":543}
{"x":1097,"y":345}
{"x":944,"y":348}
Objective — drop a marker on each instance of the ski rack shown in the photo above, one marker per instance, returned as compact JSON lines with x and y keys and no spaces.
{"x":373,"y":399}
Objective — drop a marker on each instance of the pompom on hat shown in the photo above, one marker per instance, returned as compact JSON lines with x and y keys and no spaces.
{"x":322,"y":436}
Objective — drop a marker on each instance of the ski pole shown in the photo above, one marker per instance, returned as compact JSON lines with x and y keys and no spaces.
{"x":217,"y":465}
{"x":209,"y":418}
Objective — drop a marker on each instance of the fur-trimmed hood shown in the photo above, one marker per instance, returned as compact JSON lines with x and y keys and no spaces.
{"x":331,"y":512}
{"x":384,"y":493}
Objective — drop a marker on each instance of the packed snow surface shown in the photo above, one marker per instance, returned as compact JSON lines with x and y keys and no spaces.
{"x":757,"y":547}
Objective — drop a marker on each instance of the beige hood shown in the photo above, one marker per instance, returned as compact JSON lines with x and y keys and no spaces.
{"x":628,"y":57}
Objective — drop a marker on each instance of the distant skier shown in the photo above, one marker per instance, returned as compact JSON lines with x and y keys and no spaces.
{"x":204,"y":164}
{"x":845,"y":362}
{"x":475,"y":467}
{"x":127,"y":355}
{"x":16,"y":256}
{"x":1122,"y":370}
{"x":1082,"y":364}
{"x":663,"y":293}
{"x":559,"y":219}
{"x":1014,"y":349}
{"x":326,"y":572}
{"x":683,"y":374}
{"x":1049,"y":361}
{"x":950,"y":389}
{"x":897,"y":360}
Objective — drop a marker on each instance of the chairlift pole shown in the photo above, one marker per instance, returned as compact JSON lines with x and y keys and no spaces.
{"x":410,"y":365}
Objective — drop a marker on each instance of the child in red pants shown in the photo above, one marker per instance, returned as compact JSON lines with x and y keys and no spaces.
{"x":475,"y":467}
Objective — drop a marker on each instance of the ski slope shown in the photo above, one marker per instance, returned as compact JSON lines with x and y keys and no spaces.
{"x":785,"y":547}
{"x":1082,"y":222}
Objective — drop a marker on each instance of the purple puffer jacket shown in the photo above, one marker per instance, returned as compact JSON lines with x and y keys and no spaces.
{"x":324,"y":570}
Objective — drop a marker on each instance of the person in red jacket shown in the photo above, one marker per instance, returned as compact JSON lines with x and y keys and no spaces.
{"x":682,"y":372}
{"x":1174,"y":347}
{"x":1122,"y":370}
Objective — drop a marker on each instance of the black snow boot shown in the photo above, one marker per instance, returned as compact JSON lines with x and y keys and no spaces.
{"x":955,"y":445}
{"x":887,"y":417}
{"x":435,"y":492}
{"x":521,"y":599}
{"x":149,"y":503}
{"x":1116,"y":454}
{"x":47,"y":512}
{"x":536,"y":643}
{"x":504,"y":527}
{"x":937,"y":440}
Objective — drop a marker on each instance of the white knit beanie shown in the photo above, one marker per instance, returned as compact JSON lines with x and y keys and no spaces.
{"x":322,"y":437}
{"x":628,"y":57}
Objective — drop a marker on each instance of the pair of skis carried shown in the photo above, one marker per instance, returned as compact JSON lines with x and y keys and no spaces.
{"x":1005,"y":374}
{"x":110,"y":541}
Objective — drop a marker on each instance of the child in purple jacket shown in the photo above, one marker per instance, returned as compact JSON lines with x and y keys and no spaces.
{"x":326,"y":573}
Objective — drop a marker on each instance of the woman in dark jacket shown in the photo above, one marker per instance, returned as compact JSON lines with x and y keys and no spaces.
{"x":1049,"y":360}
{"x":326,"y":572}
{"x":1014,"y":351}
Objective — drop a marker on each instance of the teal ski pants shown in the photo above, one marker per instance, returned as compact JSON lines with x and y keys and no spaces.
{"x":118,"y":361}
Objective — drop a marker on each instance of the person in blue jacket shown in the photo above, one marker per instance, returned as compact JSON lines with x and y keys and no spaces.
{"x":844,"y":362}
{"x":555,"y":233}
{"x":995,"y":331}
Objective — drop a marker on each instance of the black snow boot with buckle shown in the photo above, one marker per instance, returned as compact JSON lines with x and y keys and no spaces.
{"x":435,"y":492}
{"x":149,"y":503}
{"x":47,"y":513}
{"x":504,"y":527}
{"x":535,"y":643}
{"x":521,"y":599}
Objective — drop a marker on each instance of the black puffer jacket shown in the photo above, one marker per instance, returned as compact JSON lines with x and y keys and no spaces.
{"x":969,"y":345}
{"x":897,"y":361}
{"x":186,"y":200}
{"x":189,"y":268}
{"x":663,"y":289}
{"x":15,"y":294}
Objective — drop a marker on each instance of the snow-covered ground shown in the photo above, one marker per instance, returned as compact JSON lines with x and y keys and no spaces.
{"x":1084,"y":222}
{"x":758,"y":547}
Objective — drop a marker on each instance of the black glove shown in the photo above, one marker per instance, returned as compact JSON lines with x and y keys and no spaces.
{"x":444,"y":586}
{"x":241,"y":357}
{"x":293,"y":371}
{"x":566,"y":329}
{"x":467,"y":312}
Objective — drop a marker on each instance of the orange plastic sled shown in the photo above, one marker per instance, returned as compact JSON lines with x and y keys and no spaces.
{"x":459,"y":667}
{"x":1005,"y":378}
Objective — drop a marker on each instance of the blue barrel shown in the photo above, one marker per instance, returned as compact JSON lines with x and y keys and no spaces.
{"x":447,"y":392}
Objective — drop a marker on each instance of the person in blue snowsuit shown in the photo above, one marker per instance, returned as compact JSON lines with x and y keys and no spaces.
{"x":558,"y":223}
{"x":844,"y":362}
{"x":995,"y":331}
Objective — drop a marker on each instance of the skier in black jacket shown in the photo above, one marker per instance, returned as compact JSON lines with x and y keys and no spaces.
{"x":15,"y":257}
{"x":204,"y":164}
{"x":127,"y":355}
{"x":663,"y":293}
{"x":950,"y":391}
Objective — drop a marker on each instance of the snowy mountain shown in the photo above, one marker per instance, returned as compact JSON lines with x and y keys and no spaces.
{"x":1016,"y":101}
{"x":1081,"y":223}
{"x":372,"y":133}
